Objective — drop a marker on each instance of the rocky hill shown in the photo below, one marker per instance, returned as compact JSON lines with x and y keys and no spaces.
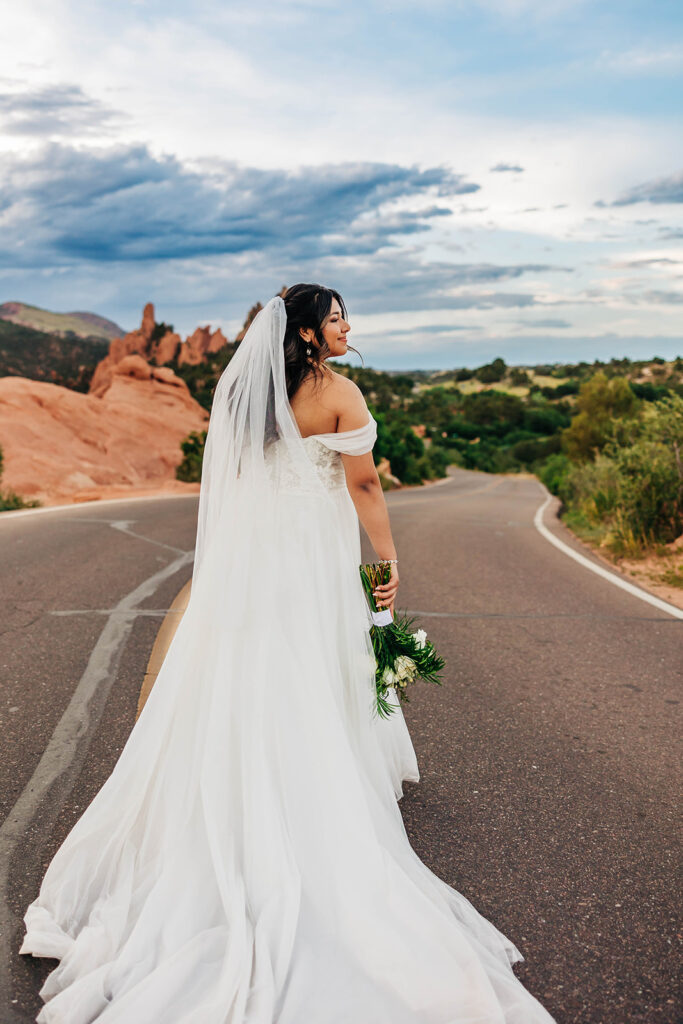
{"x":62,"y":446}
{"x":63,"y":325}
{"x":67,"y":360}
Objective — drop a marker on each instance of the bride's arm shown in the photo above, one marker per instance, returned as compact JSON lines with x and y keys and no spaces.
{"x":363,"y":483}
{"x":367,"y":495}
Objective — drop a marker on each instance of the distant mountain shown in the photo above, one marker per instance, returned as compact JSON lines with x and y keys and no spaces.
{"x":69,"y":361}
{"x":79,"y":325}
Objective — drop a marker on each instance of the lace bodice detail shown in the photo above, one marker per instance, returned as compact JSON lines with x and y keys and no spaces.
{"x":325,"y":453}
{"x":328,"y":463}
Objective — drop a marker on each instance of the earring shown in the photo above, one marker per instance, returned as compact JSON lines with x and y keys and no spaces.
{"x":308,"y":350}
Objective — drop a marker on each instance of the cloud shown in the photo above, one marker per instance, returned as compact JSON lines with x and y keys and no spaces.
{"x":438,"y":330}
{"x":545,"y":323}
{"x":660,"y":298}
{"x":650,"y":261}
{"x":665,"y":60}
{"x":500,"y":168}
{"x":400,"y":282}
{"x":124,"y":203}
{"x":54,"y":110}
{"x":660,"y":190}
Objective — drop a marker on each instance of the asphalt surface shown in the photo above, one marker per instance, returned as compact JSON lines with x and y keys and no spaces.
{"x":548,"y":758}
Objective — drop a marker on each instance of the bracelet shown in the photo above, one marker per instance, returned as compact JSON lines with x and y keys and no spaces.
{"x":386,"y":561}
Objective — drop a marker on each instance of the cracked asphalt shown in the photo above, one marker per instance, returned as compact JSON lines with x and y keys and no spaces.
{"x":549,"y":759}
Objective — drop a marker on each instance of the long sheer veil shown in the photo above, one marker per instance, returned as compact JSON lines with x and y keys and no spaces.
{"x":250,"y":413}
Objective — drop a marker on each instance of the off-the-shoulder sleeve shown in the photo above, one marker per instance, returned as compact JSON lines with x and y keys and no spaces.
{"x":352,"y":442}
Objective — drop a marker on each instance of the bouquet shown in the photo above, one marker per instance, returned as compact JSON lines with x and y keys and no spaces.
{"x":401,"y":655}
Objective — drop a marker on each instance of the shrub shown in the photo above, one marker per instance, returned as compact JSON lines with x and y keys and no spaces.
{"x":554,"y":472}
{"x":544,"y":419}
{"x":533,"y":450}
{"x":439,"y":460}
{"x":9,"y":501}
{"x":494,"y":408}
{"x":633,"y":489}
{"x":190,"y":469}
{"x":519,"y":378}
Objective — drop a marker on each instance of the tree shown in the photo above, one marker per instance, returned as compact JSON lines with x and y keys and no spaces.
{"x":491,"y":373}
{"x":604,"y":408}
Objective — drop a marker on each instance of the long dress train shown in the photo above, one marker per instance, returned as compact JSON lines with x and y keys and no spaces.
{"x":246,"y":861}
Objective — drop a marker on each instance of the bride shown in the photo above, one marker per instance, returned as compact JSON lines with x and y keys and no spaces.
{"x":246,"y":861}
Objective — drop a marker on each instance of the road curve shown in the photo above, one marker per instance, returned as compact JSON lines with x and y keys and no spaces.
{"x":556,"y":727}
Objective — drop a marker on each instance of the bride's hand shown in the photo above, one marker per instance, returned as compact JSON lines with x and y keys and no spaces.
{"x":385,"y":594}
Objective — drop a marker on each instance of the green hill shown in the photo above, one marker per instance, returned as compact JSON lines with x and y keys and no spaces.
{"x":69,"y":360}
{"x":79,"y":325}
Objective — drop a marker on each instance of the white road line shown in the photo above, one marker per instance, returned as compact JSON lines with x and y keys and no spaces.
{"x":618,"y":581}
{"x":73,"y":733}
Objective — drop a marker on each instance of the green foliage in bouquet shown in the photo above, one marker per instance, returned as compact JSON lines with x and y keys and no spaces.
{"x":402,"y":654}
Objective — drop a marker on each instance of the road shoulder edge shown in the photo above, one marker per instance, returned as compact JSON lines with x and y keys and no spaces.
{"x":597,"y":564}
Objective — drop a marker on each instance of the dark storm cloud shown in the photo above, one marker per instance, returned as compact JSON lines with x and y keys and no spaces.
{"x":123,"y":203}
{"x":52,"y":110}
{"x":400,"y":281}
{"x":222,"y":229}
{"x":501,"y":168}
{"x":661,"y":190}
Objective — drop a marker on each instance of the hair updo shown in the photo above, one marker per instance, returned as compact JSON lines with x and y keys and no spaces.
{"x":307,"y":305}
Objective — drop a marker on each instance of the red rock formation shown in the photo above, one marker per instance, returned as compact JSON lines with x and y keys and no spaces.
{"x":61,"y":445}
{"x":193,"y":352}
{"x":135,"y":342}
{"x":217,"y":341}
{"x":166,"y":349}
{"x":199,"y":345}
{"x":160,"y":351}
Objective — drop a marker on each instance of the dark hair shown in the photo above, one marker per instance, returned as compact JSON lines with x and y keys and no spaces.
{"x":307,"y":305}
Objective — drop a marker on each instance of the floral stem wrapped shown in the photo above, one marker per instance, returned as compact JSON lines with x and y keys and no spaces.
{"x":402,"y":654}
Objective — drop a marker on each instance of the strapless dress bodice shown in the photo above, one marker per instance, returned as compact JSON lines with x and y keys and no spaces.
{"x":325,"y":453}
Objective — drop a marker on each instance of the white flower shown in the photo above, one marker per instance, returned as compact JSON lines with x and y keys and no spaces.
{"x":405,"y":667}
{"x":420,"y":638}
{"x":388,"y":677}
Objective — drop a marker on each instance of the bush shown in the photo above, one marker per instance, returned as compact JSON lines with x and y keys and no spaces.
{"x":533,"y":450}
{"x":190,"y":469}
{"x":569,"y":387}
{"x":545,"y":419}
{"x":9,"y":501}
{"x":650,"y":506}
{"x":439,"y":459}
{"x":494,"y":409}
{"x":633,"y":489}
{"x":519,"y":378}
{"x":649,"y":392}
{"x":554,"y":472}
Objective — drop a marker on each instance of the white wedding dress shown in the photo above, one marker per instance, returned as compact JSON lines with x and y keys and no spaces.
{"x":246,"y":861}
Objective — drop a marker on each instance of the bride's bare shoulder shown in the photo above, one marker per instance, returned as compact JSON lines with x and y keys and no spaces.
{"x":349,"y":402}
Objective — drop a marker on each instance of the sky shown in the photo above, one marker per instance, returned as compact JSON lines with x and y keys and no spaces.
{"x":478,"y":179}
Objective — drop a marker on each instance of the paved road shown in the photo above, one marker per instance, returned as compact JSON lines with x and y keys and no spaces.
{"x":548,"y":759}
